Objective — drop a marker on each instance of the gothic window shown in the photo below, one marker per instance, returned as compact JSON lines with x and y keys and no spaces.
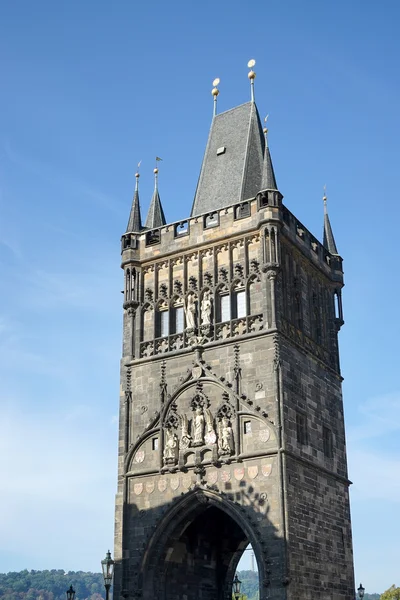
{"x":224,"y":308}
{"x":162,"y":329}
{"x":297,"y":310}
{"x":154,"y":444}
{"x":177,"y":319}
{"x":301,"y":428}
{"x":239,"y":304}
{"x":327,"y":439}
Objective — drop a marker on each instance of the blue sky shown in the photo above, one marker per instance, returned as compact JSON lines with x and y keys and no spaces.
{"x":89,"y":89}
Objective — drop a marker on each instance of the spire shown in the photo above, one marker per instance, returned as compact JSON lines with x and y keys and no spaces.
{"x":135,"y":221}
{"x":155,"y":216}
{"x":268,"y":181}
{"x":329,"y":240}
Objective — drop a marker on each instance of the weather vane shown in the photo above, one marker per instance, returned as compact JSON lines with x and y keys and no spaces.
{"x":251,"y":75}
{"x":215,"y":92}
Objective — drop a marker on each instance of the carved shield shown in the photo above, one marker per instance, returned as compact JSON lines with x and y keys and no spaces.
{"x":138,"y":488}
{"x":197,"y":372}
{"x":139,"y":456}
{"x":162,"y":484}
{"x":252,"y":471}
{"x":186,"y":481}
{"x":149,"y":487}
{"x":175,"y":482}
{"x":239,"y":473}
{"x":266,"y":470}
{"x":212,"y":477}
{"x":264,"y":435}
{"x":225,"y":476}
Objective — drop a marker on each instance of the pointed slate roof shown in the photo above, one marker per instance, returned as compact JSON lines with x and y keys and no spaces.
{"x":155,"y":216}
{"x":329,"y":240}
{"x":233,"y":161}
{"x":135,"y":220}
{"x":268,"y":181}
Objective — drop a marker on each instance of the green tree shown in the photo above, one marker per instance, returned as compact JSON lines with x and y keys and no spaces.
{"x":393,"y":593}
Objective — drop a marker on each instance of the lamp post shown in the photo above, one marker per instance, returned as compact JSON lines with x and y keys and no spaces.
{"x":107,"y":566}
{"x":236,"y":587}
{"x":70,"y":593}
{"x":361,"y":591}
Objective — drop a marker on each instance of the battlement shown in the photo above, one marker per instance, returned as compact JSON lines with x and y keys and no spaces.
{"x":215,"y":226}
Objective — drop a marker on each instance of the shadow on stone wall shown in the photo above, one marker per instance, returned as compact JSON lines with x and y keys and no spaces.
{"x":189,"y":548}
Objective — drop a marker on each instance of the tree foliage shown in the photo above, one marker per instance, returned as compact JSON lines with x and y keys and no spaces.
{"x":393,"y":593}
{"x":50,"y":585}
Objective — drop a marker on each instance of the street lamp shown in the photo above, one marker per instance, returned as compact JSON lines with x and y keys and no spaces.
{"x":108,"y":570}
{"x":70,"y":593}
{"x":361,"y":591}
{"x":236,"y":587}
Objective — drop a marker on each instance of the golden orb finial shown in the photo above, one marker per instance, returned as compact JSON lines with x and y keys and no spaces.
{"x":251,"y":75}
{"x":155,"y":171}
{"x":137,"y":175}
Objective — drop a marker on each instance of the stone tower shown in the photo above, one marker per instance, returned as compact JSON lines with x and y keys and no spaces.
{"x":231,"y":414}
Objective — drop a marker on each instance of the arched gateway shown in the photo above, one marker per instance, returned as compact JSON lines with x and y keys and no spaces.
{"x":195,"y":550}
{"x":231,"y":416}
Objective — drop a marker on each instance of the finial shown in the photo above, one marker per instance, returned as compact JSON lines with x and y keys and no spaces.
{"x":265,"y":130}
{"x":324,"y":198}
{"x":251,"y":75}
{"x":137,"y":175}
{"x":215,"y":92}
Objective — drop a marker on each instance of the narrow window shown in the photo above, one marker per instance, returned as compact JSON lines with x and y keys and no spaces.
{"x":177,"y":324}
{"x":240,"y":304}
{"x":301,"y":428}
{"x":225,"y":308}
{"x":154,"y":443}
{"x":247,"y":427}
{"x":327,"y":441}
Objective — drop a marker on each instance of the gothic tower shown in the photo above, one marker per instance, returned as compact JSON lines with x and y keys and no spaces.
{"x":231,"y":414}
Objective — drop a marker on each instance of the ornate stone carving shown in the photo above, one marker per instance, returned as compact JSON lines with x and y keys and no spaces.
{"x":171,"y":448}
{"x":206,"y":308}
{"x":190,"y":311}
{"x":226,"y":444}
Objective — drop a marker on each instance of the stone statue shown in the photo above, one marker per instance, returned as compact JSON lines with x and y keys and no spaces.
{"x":185,"y":437}
{"x":190,"y":312}
{"x":225,"y":437}
{"x":198,"y":422}
{"x":210,"y":436}
{"x":206,"y":308}
{"x":171,"y":447}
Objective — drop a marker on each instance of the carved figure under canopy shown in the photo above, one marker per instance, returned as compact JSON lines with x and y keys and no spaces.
{"x":190,"y":312}
{"x":206,"y":308}
{"x":171,"y":446}
{"x":198,"y":421}
{"x":185,"y":436}
{"x":225,"y":437}
{"x":210,"y":436}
